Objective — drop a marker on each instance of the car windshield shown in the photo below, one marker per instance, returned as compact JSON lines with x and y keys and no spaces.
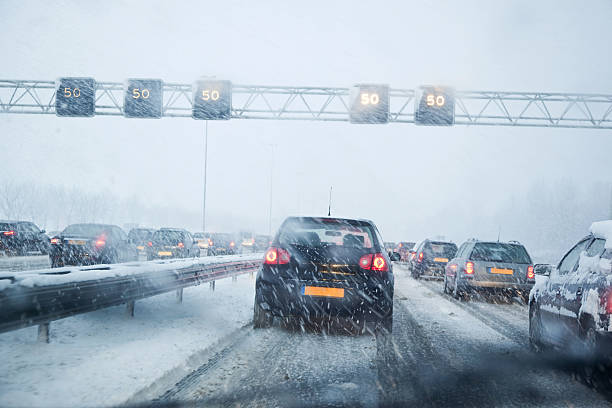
{"x":85,"y":230}
{"x":202,"y":203}
{"x":498,"y":252}
{"x":319,"y":232}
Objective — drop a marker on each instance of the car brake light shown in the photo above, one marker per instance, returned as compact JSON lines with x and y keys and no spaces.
{"x":55,"y":241}
{"x":181,"y":245}
{"x":9,"y":233}
{"x":420,"y":257}
{"x":469,"y":268}
{"x":530,"y":273}
{"x":374,"y":262}
{"x":607,"y":299}
{"x":210,"y":242}
{"x":232,"y":243}
{"x":150,"y":243}
{"x":100,"y":243}
{"x":277,"y":256}
{"x":379,"y":263}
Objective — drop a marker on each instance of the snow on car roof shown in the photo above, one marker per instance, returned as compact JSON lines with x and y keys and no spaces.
{"x":603,"y":229}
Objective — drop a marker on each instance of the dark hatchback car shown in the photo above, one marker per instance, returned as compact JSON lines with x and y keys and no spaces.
{"x":497,"y":267}
{"x":571,"y":308}
{"x":22,"y":238}
{"x":172,"y":243}
{"x":326,"y":268}
{"x":430,"y":258}
{"x":141,"y":237}
{"x":89,"y":244}
{"x":222,"y":244}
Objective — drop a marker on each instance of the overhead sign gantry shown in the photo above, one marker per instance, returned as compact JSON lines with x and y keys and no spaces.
{"x":212,"y":99}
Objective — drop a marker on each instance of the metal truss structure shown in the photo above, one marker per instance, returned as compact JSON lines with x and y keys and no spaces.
{"x":541,"y":109}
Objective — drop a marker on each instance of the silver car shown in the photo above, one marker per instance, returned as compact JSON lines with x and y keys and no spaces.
{"x":491,"y":266}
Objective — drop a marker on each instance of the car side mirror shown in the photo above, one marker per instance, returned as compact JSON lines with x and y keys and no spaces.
{"x":43,"y":231}
{"x":542,"y":269}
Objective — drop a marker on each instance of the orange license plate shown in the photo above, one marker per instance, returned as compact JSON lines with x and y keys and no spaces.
{"x":440,"y":259}
{"x":501,"y":271}
{"x":323,"y":292}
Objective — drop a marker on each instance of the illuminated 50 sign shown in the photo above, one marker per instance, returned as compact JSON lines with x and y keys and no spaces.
{"x":369,"y":104}
{"x":212,"y":100}
{"x":435,"y":106}
{"x":143,"y":98}
{"x":75,"y":97}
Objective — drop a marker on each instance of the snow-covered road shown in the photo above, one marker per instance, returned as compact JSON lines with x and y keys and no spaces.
{"x":442,"y":352}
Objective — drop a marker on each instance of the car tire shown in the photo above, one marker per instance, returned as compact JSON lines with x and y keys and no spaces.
{"x":535,"y":329}
{"x":446,"y":290}
{"x":261,"y":318}
{"x":457,"y":294}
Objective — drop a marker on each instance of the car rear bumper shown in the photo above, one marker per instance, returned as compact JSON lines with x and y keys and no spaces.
{"x":434,"y":270}
{"x":288,"y":298}
{"x":481,"y":284}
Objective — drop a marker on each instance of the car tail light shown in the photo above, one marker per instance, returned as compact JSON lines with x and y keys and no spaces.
{"x":379,"y":263}
{"x":181,"y":245}
{"x":420,"y":259}
{"x":210,"y":242}
{"x":150,"y":243}
{"x":277,"y":256}
{"x":55,"y":241}
{"x":374,"y":262}
{"x":530,"y":273}
{"x":605,"y":302}
{"x":9,"y":233}
{"x":232,"y":244}
{"x":365,"y":262}
{"x":469,"y":268}
{"x":100,"y":243}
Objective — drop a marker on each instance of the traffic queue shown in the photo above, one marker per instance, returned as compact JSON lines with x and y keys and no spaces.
{"x":92,"y":243}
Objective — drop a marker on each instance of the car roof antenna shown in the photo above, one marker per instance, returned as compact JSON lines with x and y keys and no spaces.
{"x":498,"y":233}
{"x":329,"y":207}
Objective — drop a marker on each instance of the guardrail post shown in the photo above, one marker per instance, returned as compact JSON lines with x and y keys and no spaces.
{"x":212,"y":285}
{"x":43,"y":333}
{"x":130,"y":308}
{"x":179,"y":295}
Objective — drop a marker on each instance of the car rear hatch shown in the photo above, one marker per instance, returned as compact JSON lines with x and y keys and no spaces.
{"x":506,"y":272}
{"x":500,"y":263}
{"x":328,"y":263}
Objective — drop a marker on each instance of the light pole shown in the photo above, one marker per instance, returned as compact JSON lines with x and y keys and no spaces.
{"x":205,"y":174}
{"x":271,"y":183}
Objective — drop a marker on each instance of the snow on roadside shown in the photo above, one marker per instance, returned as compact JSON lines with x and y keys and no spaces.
{"x":104,"y":357}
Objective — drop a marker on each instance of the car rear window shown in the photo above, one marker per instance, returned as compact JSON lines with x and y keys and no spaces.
{"x":140,"y":234}
{"x":326,"y":231}
{"x":500,"y":252}
{"x":440,"y":249}
{"x":168,"y":237}
{"x":6,"y":227}
{"x":85,"y":230}
{"x":221,"y":239}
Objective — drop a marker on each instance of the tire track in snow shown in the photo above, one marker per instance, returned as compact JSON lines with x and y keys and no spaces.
{"x":487,"y":316}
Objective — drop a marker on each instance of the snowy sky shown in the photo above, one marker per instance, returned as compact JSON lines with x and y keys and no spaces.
{"x":403,"y":177}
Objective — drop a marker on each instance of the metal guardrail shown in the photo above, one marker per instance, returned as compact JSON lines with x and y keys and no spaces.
{"x":39,"y":297}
